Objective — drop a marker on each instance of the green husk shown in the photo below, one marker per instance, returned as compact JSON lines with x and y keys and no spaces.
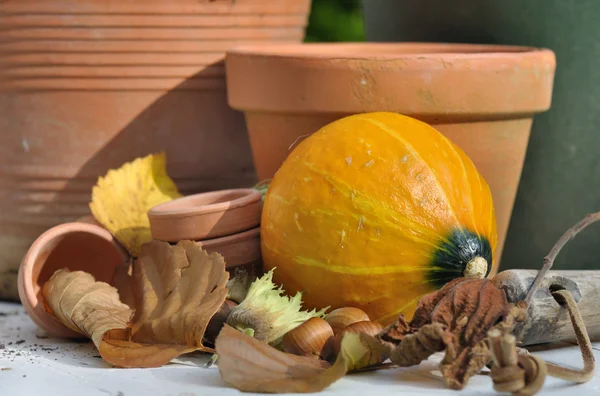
{"x":262,"y":187}
{"x":269,"y":314}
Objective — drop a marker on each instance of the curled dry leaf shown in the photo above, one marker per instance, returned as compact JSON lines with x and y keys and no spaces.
{"x":121,"y":199}
{"x":177,"y":290}
{"x":455,"y":319}
{"x":84,"y":305}
{"x":251,"y":365}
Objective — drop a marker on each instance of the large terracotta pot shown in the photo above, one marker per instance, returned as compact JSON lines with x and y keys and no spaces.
{"x":482,"y":97}
{"x":88,"y":85}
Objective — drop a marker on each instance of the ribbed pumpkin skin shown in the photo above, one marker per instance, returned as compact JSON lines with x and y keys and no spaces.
{"x":358,"y":211}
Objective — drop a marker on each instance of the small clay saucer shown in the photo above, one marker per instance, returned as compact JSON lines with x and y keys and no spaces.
{"x":242,"y":249}
{"x":206,"y":215}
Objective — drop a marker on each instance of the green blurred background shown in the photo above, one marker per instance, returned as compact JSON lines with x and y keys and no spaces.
{"x":335,"y":20}
{"x":562,"y":167}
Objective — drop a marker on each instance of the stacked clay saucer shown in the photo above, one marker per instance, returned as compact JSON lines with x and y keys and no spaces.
{"x":224,"y":221}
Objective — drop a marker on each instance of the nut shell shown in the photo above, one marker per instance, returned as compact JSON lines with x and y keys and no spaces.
{"x":341,"y":318}
{"x":367,"y":327}
{"x":313,"y":338}
{"x":217,"y":322}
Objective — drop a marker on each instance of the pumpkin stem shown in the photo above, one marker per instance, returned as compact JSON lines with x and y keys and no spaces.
{"x":476,"y":268}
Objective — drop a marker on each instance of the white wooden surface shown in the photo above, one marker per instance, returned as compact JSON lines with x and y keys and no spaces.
{"x":32,"y":365}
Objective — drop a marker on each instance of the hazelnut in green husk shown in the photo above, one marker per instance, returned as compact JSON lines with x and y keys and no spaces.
{"x":266,"y":314}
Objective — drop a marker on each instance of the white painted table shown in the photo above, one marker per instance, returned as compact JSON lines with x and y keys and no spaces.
{"x":32,"y":364}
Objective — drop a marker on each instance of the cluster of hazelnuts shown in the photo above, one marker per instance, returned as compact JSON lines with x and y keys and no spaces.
{"x":321,"y":338}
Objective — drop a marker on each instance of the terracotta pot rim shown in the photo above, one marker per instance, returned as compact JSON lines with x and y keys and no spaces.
{"x":191,"y":205}
{"x":489,"y":83}
{"x":414,"y":51}
{"x":27,"y":295}
{"x":229,"y":239}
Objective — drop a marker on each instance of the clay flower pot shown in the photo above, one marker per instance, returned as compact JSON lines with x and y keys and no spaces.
{"x":81,"y":245}
{"x":482,"y":97}
{"x":88,"y":85}
{"x":207,"y":215}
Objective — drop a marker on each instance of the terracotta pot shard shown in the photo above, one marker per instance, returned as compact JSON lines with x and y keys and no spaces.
{"x":82,"y":245}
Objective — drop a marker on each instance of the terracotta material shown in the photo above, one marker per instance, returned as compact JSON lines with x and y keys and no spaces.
{"x":81,"y":245}
{"x":207,"y":215}
{"x":88,"y":85}
{"x":482,"y":97}
{"x":241,"y":249}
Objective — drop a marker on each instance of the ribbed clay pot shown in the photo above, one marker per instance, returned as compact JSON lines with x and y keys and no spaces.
{"x":88,"y":85}
{"x":482,"y":97}
{"x":81,"y":245}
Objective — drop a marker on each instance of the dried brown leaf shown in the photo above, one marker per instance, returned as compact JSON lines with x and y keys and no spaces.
{"x":418,"y":346}
{"x":84,"y":305}
{"x":455,"y":318}
{"x":251,"y":365}
{"x":177,"y":291}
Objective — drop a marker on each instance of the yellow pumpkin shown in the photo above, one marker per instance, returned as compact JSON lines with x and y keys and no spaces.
{"x":374,"y":211}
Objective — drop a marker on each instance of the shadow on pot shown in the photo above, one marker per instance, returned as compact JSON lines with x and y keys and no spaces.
{"x":205,"y":142}
{"x":92,"y":124}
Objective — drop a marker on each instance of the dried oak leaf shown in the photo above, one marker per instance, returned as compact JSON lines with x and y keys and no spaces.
{"x":121,"y":199}
{"x":177,"y":290}
{"x":455,"y":319}
{"x":251,"y":365}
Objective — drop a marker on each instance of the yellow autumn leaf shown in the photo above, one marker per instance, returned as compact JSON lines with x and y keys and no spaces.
{"x":250,"y":365}
{"x":177,"y":290}
{"x":121,"y":199}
